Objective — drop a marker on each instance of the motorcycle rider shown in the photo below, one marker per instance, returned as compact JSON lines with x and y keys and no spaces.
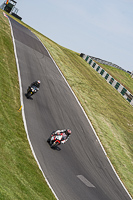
{"x":65,"y":133}
{"x":36,"y":84}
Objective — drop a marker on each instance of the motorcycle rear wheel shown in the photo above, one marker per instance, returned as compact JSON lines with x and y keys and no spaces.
{"x":28,"y":94}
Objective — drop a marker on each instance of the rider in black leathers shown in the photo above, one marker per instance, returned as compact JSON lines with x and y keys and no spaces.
{"x":36,"y":83}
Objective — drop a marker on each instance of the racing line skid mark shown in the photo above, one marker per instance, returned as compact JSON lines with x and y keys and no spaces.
{"x":85,"y":181}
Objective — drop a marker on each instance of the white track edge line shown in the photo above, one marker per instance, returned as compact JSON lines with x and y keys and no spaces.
{"x":23,"y":114}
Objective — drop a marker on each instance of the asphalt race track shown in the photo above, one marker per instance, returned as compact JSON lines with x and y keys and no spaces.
{"x":80,"y":170}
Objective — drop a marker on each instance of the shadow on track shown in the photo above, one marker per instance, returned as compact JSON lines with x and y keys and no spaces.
{"x":29,"y":97}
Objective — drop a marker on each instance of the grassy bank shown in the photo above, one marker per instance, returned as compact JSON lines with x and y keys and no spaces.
{"x":110,"y":114}
{"x":119,"y":75}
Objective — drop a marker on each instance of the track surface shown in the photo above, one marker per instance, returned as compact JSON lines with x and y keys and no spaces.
{"x":80,"y":170}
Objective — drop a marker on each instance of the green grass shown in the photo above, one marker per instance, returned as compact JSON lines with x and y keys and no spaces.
{"x":110,"y":114}
{"x":119,"y":75}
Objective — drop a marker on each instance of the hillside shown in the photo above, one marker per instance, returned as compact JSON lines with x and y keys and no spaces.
{"x":110,"y":114}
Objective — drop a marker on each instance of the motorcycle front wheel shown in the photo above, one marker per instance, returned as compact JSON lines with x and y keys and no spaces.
{"x":55,"y":144}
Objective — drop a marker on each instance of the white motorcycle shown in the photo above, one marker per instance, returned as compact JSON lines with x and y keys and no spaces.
{"x":55,"y":140}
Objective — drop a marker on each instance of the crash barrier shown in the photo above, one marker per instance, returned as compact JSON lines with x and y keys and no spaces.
{"x":17,"y":16}
{"x":122,"y":90}
{"x":99,"y":60}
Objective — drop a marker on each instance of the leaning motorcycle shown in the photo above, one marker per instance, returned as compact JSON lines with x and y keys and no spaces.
{"x":54,"y":140}
{"x":31,"y":90}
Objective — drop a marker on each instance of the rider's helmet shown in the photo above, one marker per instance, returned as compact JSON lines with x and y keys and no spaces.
{"x":38,"y":81}
{"x":68,"y":131}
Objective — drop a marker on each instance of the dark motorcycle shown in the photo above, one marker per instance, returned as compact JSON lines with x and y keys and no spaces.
{"x":31,"y":90}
